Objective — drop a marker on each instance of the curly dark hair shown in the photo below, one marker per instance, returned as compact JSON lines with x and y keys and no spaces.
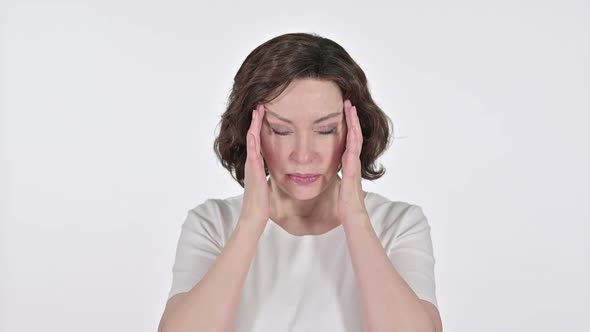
{"x":270,"y":68}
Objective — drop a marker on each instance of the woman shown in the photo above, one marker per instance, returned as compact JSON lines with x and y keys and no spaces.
{"x":302,"y":249}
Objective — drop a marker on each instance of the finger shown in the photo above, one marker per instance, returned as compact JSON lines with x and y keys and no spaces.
{"x":252,"y":122}
{"x":259,"y":118}
{"x":349,"y":125}
{"x":251,"y":147}
{"x":347,"y":106}
{"x":251,"y":137}
{"x":357,"y":122}
{"x":357,"y":135}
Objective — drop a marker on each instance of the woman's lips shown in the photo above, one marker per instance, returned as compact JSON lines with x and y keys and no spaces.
{"x":304,"y":178}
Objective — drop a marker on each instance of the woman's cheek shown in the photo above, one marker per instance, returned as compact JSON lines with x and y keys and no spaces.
{"x":270,"y":148}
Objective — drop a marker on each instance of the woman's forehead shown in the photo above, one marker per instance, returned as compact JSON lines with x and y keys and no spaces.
{"x":314,"y":116}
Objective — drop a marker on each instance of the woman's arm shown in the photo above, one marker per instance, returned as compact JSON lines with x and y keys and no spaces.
{"x":387,"y":301}
{"x":211,"y":305}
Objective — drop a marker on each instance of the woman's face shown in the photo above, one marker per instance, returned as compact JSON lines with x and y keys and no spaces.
{"x":304,"y":133}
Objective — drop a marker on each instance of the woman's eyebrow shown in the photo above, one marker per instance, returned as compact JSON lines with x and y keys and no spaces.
{"x":325,"y":117}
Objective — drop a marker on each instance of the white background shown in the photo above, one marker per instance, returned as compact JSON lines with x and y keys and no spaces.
{"x":109,"y":110}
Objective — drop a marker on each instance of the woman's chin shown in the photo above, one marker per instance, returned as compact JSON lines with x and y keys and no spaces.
{"x":305,"y":195}
{"x":307,"y":191}
{"x":303,"y":191}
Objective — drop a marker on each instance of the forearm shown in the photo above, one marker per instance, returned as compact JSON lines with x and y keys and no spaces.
{"x":387,"y":301}
{"x":211,"y":305}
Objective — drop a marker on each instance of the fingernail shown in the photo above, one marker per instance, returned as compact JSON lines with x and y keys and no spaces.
{"x":253,"y":114}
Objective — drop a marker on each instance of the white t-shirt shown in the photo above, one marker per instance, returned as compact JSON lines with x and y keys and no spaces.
{"x":304,"y":283}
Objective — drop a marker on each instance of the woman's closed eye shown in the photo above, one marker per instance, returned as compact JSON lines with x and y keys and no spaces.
{"x":321,"y":132}
{"x":328,"y":132}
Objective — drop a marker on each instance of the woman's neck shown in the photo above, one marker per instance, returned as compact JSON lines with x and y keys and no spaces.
{"x":319,"y":209}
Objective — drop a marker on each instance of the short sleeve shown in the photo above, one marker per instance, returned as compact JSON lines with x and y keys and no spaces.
{"x":197,"y":248}
{"x":412,"y":254}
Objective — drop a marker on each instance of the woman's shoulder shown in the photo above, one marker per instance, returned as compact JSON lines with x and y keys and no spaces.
{"x":376,"y":202}
{"x":392,"y":216}
{"x":219,"y":215}
{"x":219,"y":205}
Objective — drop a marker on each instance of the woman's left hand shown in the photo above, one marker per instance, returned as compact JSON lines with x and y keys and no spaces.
{"x":351,"y":198}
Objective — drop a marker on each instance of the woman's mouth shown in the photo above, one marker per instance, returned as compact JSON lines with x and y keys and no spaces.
{"x":304,"y":178}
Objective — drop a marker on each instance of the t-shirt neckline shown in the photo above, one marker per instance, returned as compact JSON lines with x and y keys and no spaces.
{"x":310,"y":236}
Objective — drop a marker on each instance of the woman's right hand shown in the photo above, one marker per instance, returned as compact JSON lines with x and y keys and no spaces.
{"x":256,"y":200}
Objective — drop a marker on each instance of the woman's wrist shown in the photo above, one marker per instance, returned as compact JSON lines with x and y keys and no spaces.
{"x":251,"y":225}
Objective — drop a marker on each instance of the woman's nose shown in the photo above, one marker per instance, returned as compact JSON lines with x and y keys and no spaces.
{"x":303,"y":152}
